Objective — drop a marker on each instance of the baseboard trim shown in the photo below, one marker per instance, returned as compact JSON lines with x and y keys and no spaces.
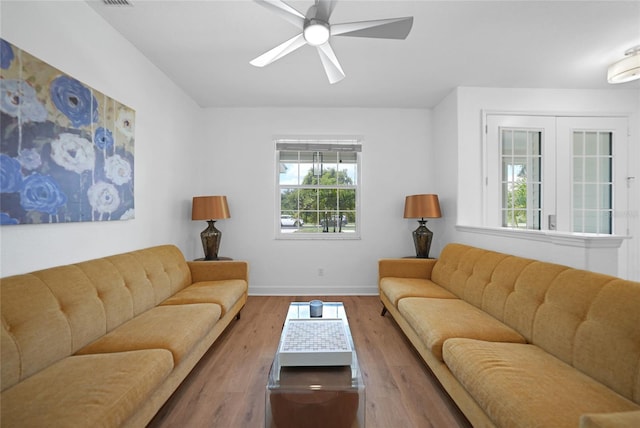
{"x":313,"y":290}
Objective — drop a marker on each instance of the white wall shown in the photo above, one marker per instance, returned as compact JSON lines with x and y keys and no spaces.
{"x":470,"y":104}
{"x":182,"y":151}
{"x":445,"y":147}
{"x":73,"y":38}
{"x":239,"y":154}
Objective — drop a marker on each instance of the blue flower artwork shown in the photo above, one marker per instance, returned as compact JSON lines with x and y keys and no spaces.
{"x":66,"y":150}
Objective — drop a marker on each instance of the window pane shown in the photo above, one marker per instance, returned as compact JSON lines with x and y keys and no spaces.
{"x":536,"y":217}
{"x":348,"y":172}
{"x":507,"y":142}
{"x":578,"y":196}
{"x":605,"y":222}
{"x":578,"y":143}
{"x":606,"y":139}
{"x":590,"y":196}
{"x":309,"y":199}
{"x":605,"y":196}
{"x":536,"y":143}
{"x":578,"y":169}
{"x":535,"y":200}
{"x":577,"y":220}
{"x":536,"y":170}
{"x":311,"y":221}
{"x":306,"y":168}
{"x":288,"y":200}
{"x":591,"y":143}
{"x":605,"y":169}
{"x":347,"y":199}
{"x":288,"y":173}
{"x":327,"y":199}
{"x":590,"y":222}
{"x":520,"y":218}
{"x":520,"y":143}
{"x":591,"y":170}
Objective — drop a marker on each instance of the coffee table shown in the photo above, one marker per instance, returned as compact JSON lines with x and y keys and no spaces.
{"x":315,"y":396}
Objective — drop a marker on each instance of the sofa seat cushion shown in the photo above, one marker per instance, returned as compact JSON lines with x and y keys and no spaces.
{"x":101,"y":390}
{"x":522,"y":385}
{"x":398,"y":288}
{"x":436,"y":320}
{"x":175,"y":328}
{"x":225,"y":293}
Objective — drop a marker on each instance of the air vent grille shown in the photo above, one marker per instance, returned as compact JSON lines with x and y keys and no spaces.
{"x":117,"y":2}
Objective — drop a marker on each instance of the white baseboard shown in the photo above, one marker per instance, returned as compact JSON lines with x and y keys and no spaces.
{"x":313,"y":290}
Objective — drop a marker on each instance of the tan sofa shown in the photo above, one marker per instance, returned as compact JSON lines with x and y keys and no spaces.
{"x":518,"y":342}
{"x":106,"y":342}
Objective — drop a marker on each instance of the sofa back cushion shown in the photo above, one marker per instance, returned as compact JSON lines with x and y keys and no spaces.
{"x":456,"y":270}
{"x":588,"y":320}
{"x":50,"y":314}
{"x":592,"y":322}
{"x":481,"y":277}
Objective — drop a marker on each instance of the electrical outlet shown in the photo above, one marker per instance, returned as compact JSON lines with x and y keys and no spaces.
{"x":320,"y":271}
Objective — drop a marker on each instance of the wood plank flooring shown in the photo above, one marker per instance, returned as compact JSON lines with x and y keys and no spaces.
{"x":227,"y":387}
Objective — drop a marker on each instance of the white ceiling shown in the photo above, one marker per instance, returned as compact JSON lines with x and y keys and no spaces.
{"x":205,"y":48}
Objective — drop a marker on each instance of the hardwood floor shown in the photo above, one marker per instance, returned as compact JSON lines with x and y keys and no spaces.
{"x":227,"y":387}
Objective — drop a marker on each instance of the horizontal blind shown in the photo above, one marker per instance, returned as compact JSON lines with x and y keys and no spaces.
{"x":347,"y":145}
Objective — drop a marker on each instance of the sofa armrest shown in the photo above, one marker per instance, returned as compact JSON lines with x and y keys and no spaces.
{"x":405,"y":268}
{"x":215,"y":270}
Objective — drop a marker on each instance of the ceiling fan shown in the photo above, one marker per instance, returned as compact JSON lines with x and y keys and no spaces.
{"x":317,"y":31}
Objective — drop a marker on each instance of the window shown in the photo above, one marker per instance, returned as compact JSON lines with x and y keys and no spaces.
{"x":521,"y":159}
{"x":318,"y":184}
{"x":548,"y":173}
{"x":592,"y":200}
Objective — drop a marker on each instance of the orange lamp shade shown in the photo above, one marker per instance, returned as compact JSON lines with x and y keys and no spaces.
{"x":422,"y":206}
{"x":209,"y":208}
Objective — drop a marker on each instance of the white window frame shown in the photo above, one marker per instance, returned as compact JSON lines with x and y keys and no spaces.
{"x":349,"y":143}
{"x":492,"y":195}
{"x":557,"y":169}
{"x":618,"y":127}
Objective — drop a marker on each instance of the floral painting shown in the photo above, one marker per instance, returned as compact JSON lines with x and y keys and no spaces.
{"x":67,"y":151}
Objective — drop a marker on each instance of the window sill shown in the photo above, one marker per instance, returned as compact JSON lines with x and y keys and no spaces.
{"x":331,"y":236}
{"x":567,"y":239}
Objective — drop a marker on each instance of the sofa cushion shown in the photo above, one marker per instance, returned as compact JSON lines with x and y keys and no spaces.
{"x":436,"y":320}
{"x":522,"y":385}
{"x":465,"y":270}
{"x":607,"y":344}
{"x":175,"y":328}
{"x":397,"y":288}
{"x":101,"y":390}
{"x":224,"y":293}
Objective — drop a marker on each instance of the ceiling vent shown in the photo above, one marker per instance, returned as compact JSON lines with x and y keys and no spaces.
{"x":117,"y":2}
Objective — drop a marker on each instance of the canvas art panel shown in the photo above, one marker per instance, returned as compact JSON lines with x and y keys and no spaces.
{"x":66,"y":150}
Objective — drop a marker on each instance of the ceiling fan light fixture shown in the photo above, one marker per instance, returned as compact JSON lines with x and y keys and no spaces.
{"x":627,"y":69}
{"x":316,"y":32}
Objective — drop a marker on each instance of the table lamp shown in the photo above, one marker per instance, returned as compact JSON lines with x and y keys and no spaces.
{"x":422,"y":206}
{"x":210,"y":208}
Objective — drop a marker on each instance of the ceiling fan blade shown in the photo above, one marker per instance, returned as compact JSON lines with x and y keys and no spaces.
{"x":284,"y":10}
{"x":330,"y":62}
{"x":325,"y":8}
{"x":394,"y":28}
{"x":279,"y":51}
